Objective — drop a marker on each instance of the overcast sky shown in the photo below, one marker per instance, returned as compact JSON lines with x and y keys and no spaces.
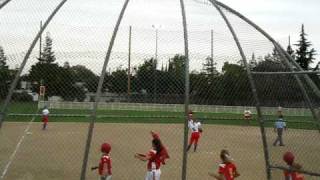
{"x":86,"y":25}
{"x":281,"y":18}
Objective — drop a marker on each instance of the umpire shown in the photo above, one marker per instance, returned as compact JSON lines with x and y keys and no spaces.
{"x":280,"y":125}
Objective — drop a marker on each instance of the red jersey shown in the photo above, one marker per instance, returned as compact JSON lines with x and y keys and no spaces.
{"x":293,"y":175}
{"x":154,"y":162}
{"x":228,"y":170}
{"x":105,"y":159}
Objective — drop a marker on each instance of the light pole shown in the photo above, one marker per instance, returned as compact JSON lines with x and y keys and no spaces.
{"x":156,"y":27}
{"x":129,"y":64}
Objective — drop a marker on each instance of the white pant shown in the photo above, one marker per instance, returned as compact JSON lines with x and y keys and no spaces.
{"x":153,"y":175}
{"x":105,"y":177}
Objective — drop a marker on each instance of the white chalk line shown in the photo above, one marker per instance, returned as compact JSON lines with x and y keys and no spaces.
{"x":16,"y":149}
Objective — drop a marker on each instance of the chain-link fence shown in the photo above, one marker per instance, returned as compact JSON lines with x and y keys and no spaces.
{"x":104,"y":81}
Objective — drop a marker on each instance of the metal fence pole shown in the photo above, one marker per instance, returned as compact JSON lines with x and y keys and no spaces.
{"x":254,"y":91}
{"x":98,"y":94}
{"x":4,"y":3}
{"x":187,"y":87}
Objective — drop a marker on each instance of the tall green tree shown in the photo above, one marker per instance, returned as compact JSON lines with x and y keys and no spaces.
{"x":145,"y":76}
{"x":118,"y":81}
{"x":275,"y":89}
{"x":3,"y":59}
{"x":45,"y":71}
{"x":47,"y":55}
{"x":209,"y":67}
{"x":253,"y":61}
{"x":304,"y":55}
{"x":176,"y":72}
{"x":4,"y":74}
{"x":85,"y":75}
{"x":290,"y":51}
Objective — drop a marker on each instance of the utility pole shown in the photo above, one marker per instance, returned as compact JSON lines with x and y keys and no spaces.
{"x":155,"y":68}
{"x":40,"y":41}
{"x":155,"y":65}
{"x":212,"y":45}
{"x":129,"y":64}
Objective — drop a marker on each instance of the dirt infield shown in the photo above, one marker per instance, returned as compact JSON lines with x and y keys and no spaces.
{"x":57,"y":152}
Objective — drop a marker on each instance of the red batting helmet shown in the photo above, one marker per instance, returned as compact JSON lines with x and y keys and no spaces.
{"x":288,"y":157}
{"x":105,"y":147}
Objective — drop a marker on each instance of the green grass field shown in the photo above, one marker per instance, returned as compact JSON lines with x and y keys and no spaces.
{"x":129,"y":116}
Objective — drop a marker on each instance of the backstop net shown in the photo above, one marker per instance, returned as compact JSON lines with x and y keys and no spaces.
{"x":53,"y":54}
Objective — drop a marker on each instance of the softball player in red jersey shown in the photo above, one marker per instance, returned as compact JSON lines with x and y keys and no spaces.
{"x":105,"y":163}
{"x":227,"y":169}
{"x":288,"y":157}
{"x":45,"y":117}
{"x":155,"y":157}
{"x":194,"y":126}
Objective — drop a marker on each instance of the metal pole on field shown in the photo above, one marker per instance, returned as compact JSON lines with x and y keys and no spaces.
{"x":25,"y":59}
{"x":253,"y":88}
{"x":129,"y":64}
{"x":98,"y":93}
{"x":187,"y":88}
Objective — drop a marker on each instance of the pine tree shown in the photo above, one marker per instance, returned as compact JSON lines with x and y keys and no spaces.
{"x":4,"y":74}
{"x":209,"y":67}
{"x":304,"y":56}
{"x":290,"y":51}
{"x":253,"y":62}
{"x":47,"y":56}
{"x":3,"y":59}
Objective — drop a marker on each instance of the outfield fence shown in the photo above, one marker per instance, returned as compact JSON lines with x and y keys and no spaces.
{"x":172,"y":107}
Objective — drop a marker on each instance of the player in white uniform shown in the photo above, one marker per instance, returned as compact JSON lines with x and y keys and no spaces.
{"x":195,"y":128}
{"x":279,"y":111}
{"x":45,"y":117}
{"x":247,"y":115}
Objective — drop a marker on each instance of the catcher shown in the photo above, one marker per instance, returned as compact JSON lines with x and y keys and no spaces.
{"x":196,"y":131}
{"x":104,"y":168}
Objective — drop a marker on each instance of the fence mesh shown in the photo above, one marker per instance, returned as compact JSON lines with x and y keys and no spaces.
{"x":144,"y":90}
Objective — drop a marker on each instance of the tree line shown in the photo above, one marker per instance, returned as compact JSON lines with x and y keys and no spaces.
{"x":230,"y":86}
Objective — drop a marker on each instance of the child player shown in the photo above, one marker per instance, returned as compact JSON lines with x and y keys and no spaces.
{"x":155,"y":157}
{"x":227,"y":169}
{"x":195,"y":129}
{"x":247,"y":115}
{"x":105,"y":162}
{"x":45,"y":117}
{"x":291,"y":174}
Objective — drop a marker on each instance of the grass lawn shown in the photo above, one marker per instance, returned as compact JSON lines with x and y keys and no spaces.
{"x":129,"y":116}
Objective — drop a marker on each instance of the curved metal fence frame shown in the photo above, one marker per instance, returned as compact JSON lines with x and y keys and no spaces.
{"x":218,"y":5}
